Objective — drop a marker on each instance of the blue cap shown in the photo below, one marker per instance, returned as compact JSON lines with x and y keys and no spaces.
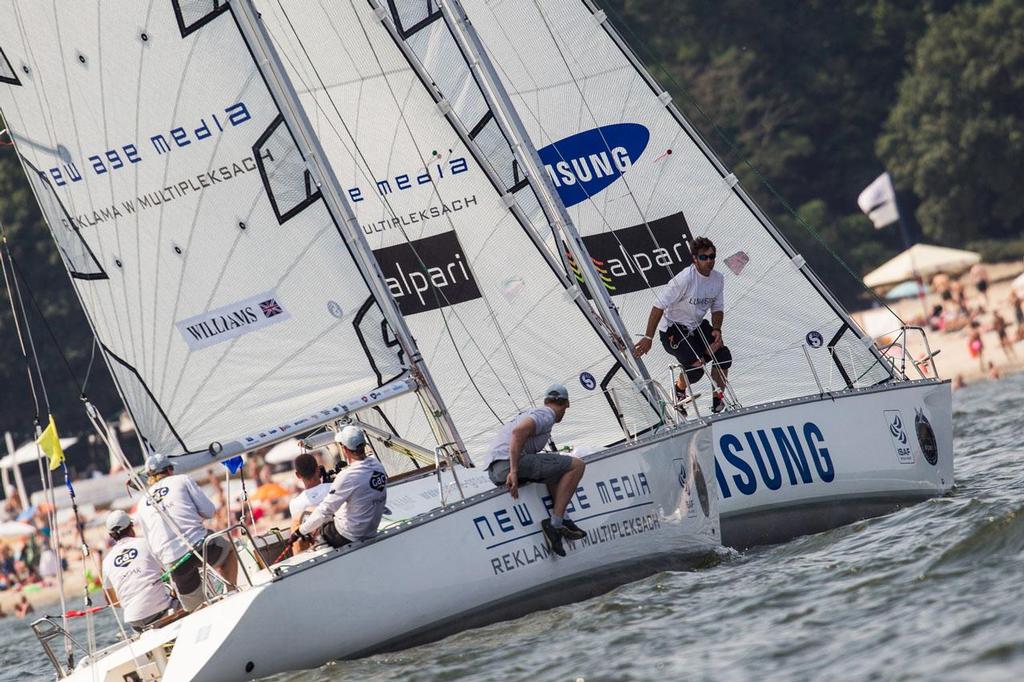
{"x":157,"y":462}
{"x":557,"y":392}
{"x":352,"y":437}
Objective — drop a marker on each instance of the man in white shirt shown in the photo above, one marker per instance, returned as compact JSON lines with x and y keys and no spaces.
{"x":172,"y":517}
{"x":307,"y":470}
{"x":516,"y":456}
{"x":132,"y":575}
{"x":355,"y":501}
{"x":679,"y":316}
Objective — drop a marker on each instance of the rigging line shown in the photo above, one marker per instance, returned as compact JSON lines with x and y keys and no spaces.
{"x":8,"y":276}
{"x":34,"y":355}
{"x":436,"y":190}
{"x":651,"y":58}
{"x":20,"y":275}
{"x":437,"y":294}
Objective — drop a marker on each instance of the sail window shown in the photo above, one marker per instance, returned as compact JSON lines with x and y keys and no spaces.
{"x":286,"y":177}
{"x":194,"y":14}
{"x":7,"y":74}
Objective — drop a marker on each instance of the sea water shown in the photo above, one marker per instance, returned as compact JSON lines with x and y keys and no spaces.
{"x":932,"y":591}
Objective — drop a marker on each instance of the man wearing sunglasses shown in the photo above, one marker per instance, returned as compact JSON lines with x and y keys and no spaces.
{"x":679,"y":317}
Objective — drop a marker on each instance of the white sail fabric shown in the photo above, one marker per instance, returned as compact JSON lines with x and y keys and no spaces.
{"x":483,"y":298}
{"x":638,"y":186}
{"x":228,"y":306}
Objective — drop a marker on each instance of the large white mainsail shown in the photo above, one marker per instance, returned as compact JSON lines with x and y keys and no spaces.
{"x":490,"y":307}
{"x":229,"y":307}
{"x":639,"y":183}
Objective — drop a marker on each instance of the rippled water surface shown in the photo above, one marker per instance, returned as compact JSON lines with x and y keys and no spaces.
{"x":932,"y":591}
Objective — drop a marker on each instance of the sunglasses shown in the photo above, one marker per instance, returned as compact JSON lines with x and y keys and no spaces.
{"x":706,"y":256}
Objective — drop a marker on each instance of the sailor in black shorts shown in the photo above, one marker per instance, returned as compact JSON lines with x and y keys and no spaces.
{"x":679,"y":317}
{"x":690,"y":346}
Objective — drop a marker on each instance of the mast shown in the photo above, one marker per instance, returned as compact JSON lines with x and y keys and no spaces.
{"x":255,"y":35}
{"x":555,"y":210}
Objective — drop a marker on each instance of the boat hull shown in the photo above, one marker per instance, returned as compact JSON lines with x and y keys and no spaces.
{"x":810,"y":465}
{"x":646,"y":506}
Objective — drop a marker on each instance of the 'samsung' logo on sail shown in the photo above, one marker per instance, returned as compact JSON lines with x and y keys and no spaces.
{"x":233,"y":320}
{"x":584,"y":164}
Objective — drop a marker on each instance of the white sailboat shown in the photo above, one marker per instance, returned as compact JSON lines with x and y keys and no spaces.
{"x":639,"y":182}
{"x":217,"y":256}
{"x":258,"y":239}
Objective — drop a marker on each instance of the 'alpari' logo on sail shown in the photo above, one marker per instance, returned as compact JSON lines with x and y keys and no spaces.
{"x":584,"y":164}
{"x":638,"y":257}
{"x":232,"y":321}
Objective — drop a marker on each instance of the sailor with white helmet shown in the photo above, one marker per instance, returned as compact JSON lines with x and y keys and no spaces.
{"x":132,"y":575}
{"x":516,"y":456}
{"x":172,"y":517}
{"x":355,"y":502}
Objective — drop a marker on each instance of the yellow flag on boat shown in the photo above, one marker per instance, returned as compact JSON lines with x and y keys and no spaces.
{"x":49,"y":442}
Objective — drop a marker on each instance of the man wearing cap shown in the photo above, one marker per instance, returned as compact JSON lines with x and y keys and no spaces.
{"x":172,"y":517}
{"x":355,"y":501}
{"x":515,"y":456}
{"x":132,"y":575}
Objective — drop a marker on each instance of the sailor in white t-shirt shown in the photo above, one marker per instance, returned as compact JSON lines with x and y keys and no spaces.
{"x":172,"y":516}
{"x":307,"y":470}
{"x":355,"y":502}
{"x":678,"y":315}
{"x":132,"y":575}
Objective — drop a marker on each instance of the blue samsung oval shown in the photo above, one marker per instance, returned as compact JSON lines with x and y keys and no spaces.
{"x":584,"y":164}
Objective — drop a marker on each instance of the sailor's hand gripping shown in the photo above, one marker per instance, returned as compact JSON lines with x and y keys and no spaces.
{"x":642,"y":347}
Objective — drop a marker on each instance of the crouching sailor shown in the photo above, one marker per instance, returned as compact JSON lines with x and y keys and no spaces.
{"x":354,"y":505}
{"x":132,"y":575}
{"x":516,"y":456}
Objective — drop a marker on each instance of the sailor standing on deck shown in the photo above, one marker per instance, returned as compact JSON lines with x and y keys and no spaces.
{"x":132,"y":575}
{"x":678,"y":316}
{"x":354,"y":505}
{"x":515,"y":456}
{"x":172,"y":517}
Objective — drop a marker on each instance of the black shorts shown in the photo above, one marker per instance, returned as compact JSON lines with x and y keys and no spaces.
{"x":187,"y":577}
{"x":329,"y":533}
{"x":687,"y":348}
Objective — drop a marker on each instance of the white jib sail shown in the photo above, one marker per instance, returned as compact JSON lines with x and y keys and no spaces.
{"x":486,"y":304}
{"x":228,"y":306}
{"x":638,"y":185}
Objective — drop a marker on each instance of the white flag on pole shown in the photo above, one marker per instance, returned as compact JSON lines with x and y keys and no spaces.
{"x":878,"y":201}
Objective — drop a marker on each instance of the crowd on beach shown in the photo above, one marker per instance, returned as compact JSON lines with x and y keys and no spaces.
{"x":967,"y":307}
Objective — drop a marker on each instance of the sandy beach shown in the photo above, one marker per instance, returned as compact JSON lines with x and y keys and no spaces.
{"x":952,"y":357}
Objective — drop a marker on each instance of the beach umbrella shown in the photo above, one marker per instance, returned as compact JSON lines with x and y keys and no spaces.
{"x":16,"y":529}
{"x":922,"y":260}
{"x":906,"y":290}
{"x":285,"y":451}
